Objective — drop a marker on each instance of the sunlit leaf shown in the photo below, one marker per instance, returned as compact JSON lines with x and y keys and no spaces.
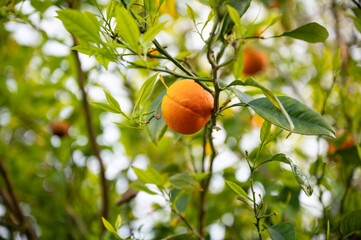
{"x":144,"y":92}
{"x":300,"y":176}
{"x":238,"y":65}
{"x":265,"y":131}
{"x":149,"y":176}
{"x":241,"y":6}
{"x":142,"y":188}
{"x":74,"y":21}
{"x":234,"y":15}
{"x":191,"y":13}
{"x":127,"y":28}
{"x":108,"y":226}
{"x":118,"y":222}
{"x":237,"y":189}
{"x":152,"y":32}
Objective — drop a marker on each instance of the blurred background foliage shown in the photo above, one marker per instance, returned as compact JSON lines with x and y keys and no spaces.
{"x":47,"y":152}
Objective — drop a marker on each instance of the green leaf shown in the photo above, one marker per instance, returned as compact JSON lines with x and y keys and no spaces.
{"x":234,"y":15}
{"x":237,"y":189}
{"x":157,"y":127}
{"x":183,"y":181}
{"x":243,"y":97}
{"x":149,"y":5}
{"x":265,"y":132}
{"x":112,"y":107}
{"x":282,"y":231}
{"x":306,"y":120}
{"x":272,"y":97}
{"x":128,"y":29}
{"x":300,"y":176}
{"x":149,"y":176}
{"x":191,"y":13}
{"x":142,"y":188}
{"x":241,"y":6}
{"x":152,"y":32}
{"x":105,"y":107}
{"x":351,"y":223}
{"x":118,"y":222}
{"x":108,"y":226}
{"x":182,"y":201}
{"x":75,"y":22}
{"x":181,"y":236}
{"x":89,"y":50}
{"x":112,"y":102}
{"x":238,"y":65}
{"x":111,"y":9}
{"x":356,"y":21}
{"x":209,"y":18}
{"x":103,"y":61}
{"x":144,"y":92}
{"x":311,"y":32}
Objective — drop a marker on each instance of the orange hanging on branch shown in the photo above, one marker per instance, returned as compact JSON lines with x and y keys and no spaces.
{"x":187,"y":107}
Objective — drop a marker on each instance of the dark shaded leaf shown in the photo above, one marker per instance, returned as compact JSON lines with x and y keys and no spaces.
{"x":311,"y":32}
{"x":351,"y":223}
{"x":282,"y":231}
{"x":306,"y":120}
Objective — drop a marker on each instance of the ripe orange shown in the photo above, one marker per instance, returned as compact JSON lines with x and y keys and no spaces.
{"x":60,"y":128}
{"x":254,"y":61}
{"x":187,"y":107}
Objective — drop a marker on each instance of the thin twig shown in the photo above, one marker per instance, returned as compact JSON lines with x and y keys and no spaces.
{"x":358,"y":4}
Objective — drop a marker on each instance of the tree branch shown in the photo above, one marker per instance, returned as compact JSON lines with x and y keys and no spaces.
{"x":358,"y":4}
{"x":92,"y":136}
{"x":17,"y":211}
{"x":208,"y":133}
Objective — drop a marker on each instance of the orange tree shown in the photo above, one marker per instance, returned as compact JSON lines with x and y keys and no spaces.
{"x":220,"y":182}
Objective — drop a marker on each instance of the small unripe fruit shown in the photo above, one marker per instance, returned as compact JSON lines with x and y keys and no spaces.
{"x":254,"y":61}
{"x":187,"y":107}
{"x":60,"y":128}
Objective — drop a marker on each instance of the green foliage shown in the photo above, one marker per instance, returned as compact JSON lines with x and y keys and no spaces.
{"x":149,"y":176}
{"x":306,"y":120}
{"x":74,"y":21}
{"x":237,"y":189}
{"x":42,"y":85}
{"x":282,"y":231}
{"x":127,"y":28}
{"x":311,"y":32}
{"x":300,"y":176}
{"x":351,"y":223}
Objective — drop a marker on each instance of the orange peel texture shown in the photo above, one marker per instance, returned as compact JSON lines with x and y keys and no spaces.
{"x":187,"y":107}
